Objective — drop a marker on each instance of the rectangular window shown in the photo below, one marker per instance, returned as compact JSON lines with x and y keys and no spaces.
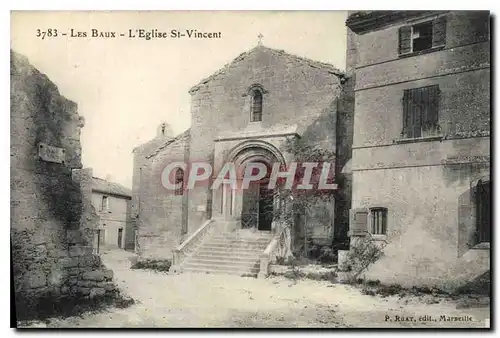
{"x":420,"y":112}
{"x":422,"y":36}
{"x":483,"y":212}
{"x":378,"y":221}
{"x":104,"y":203}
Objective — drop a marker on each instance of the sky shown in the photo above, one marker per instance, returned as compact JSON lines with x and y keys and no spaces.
{"x":126,"y":87}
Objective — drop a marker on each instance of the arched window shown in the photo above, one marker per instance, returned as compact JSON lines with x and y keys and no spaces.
{"x":179,"y":180}
{"x":256,"y":106}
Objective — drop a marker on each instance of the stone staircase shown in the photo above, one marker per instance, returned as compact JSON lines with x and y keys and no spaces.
{"x":234,"y":253}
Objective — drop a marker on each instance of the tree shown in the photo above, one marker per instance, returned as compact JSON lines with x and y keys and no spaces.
{"x":299,"y":206}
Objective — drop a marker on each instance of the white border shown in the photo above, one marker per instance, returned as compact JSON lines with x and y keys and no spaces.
{"x":184,"y":5}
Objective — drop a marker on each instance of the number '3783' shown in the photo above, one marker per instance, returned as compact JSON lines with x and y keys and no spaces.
{"x":49,"y":33}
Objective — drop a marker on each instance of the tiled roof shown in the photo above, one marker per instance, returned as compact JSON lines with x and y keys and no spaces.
{"x":315,"y":64}
{"x":100,"y":185}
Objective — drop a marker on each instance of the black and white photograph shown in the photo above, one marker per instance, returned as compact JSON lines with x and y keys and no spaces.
{"x":251,"y":169}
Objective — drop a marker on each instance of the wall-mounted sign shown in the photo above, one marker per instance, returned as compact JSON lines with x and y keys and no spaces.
{"x":202,"y":208}
{"x":51,"y":154}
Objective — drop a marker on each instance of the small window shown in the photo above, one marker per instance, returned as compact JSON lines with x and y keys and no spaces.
{"x":256,"y":106}
{"x":422,"y":36}
{"x":420,"y":112}
{"x":179,"y":181}
{"x":104,"y":203}
{"x":378,"y":221}
{"x":483,"y":212}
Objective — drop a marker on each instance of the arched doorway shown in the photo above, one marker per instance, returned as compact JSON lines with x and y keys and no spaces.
{"x":258,"y":204}
{"x":253,"y":207}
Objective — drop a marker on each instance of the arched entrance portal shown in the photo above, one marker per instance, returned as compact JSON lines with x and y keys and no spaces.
{"x":258,"y":204}
{"x":254,"y":207}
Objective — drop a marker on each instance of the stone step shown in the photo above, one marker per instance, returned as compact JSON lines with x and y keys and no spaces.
{"x":246,"y":239}
{"x":240,"y":240}
{"x":216,"y":267}
{"x":236,"y":244}
{"x":221,"y":272}
{"x":244,"y":235}
{"x":230,"y":250}
{"x":226,"y":254}
{"x":223,"y":260}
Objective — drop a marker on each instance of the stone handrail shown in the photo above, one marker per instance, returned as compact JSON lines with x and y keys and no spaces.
{"x":191,"y":243}
{"x":266,"y":257}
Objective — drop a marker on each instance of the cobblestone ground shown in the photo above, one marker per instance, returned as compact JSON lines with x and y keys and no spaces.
{"x":200,"y":300}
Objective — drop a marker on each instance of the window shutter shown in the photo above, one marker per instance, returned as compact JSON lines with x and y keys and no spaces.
{"x":431,"y":105}
{"x":416,"y":113}
{"x":257,"y":102}
{"x":439,"y":32}
{"x":406,"y":112}
{"x":257,"y":106}
{"x":404,"y":39}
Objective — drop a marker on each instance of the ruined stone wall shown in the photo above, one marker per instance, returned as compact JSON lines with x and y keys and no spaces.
{"x":52,"y":219}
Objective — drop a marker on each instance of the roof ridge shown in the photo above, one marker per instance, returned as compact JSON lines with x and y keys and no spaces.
{"x":313,"y":63}
{"x":165,"y":144}
{"x":111,"y":187}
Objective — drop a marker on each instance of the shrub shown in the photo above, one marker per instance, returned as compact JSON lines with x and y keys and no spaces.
{"x":363,"y":253}
{"x":153,"y":264}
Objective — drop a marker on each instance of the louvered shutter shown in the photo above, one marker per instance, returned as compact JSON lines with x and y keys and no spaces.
{"x":406,"y":113}
{"x":416,"y":113}
{"x":404,"y":39}
{"x":439,"y":31}
{"x":257,"y":106}
{"x":430,"y":107}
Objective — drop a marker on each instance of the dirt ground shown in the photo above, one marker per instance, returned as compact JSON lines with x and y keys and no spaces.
{"x":201,"y":300}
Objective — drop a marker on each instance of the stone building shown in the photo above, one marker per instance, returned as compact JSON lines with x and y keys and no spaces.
{"x":52,"y":219}
{"x":112,"y":203}
{"x":242,"y":113}
{"x":421,"y":149}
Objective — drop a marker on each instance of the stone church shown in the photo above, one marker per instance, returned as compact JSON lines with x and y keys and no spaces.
{"x":242,"y":113}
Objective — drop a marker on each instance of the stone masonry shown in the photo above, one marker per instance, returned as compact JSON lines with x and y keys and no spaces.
{"x":426,"y":184}
{"x":52,"y":219}
{"x":301,"y":98}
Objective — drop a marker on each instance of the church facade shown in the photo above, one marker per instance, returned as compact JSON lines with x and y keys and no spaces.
{"x":244,"y":113}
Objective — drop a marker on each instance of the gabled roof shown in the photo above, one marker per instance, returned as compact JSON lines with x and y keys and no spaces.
{"x":315,"y":64}
{"x":107,"y":187}
{"x":165,"y":144}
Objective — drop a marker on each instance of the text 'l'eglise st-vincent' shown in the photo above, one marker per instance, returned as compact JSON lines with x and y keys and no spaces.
{"x":149,"y":34}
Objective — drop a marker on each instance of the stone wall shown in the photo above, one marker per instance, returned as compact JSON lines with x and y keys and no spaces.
{"x":52,"y":219}
{"x":424,"y":184}
{"x":301,"y":98}
{"x":162,"y":215}
{"x":296,"y":92}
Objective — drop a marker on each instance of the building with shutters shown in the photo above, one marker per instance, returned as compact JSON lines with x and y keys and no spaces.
{"x":111,"y":201}
{"x":421,"y":146}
